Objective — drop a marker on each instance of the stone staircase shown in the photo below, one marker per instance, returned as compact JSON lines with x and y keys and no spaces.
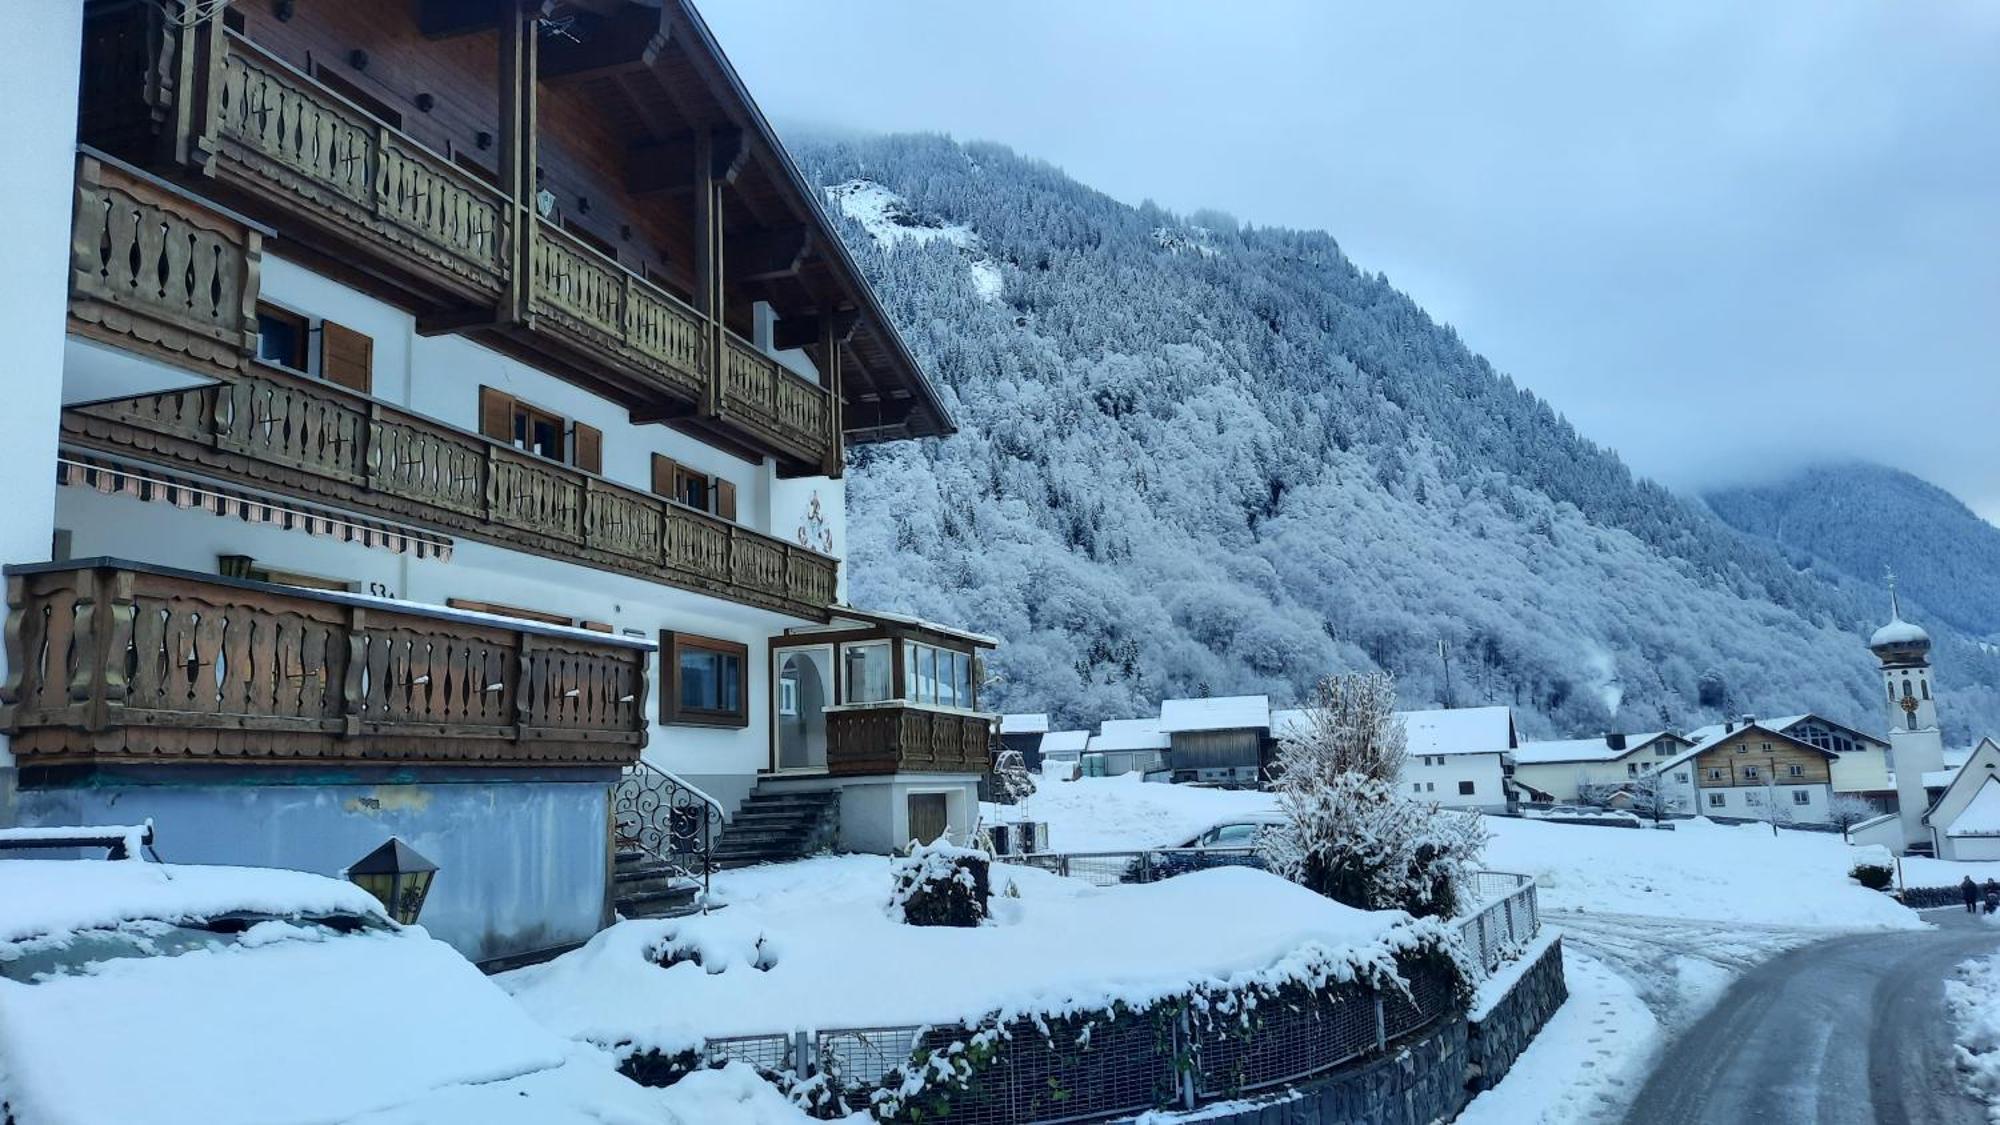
{"x":778,"y":825}
{"x":643,"y":886}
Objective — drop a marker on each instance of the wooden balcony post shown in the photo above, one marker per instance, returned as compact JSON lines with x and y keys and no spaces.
{"x":708,"y":271}
{"x":832,"y":461}
{"x":519,"y":144}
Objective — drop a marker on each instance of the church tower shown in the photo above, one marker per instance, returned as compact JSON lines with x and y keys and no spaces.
{"x":1916,"y":745}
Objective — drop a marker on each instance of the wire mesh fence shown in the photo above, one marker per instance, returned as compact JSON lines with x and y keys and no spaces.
{"x":1506,"y":916}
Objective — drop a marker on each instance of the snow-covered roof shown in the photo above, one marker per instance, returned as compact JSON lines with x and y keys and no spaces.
{"x":1024,"y":724}
{"x":1454,"y":730}
{"x":1720,"y":736}
{"x":1459,"y":730}
{"x":1938,"y":779}
{"x":1581,"y":749}
{"x":1781,"y":724}
{"x":1981,"y":815}
{"x":1226,"y":712}
{"x":1058,"y":741}
{"x":882,"y":617}
{"x":1130,"y":734}
{"x":49,"y":896}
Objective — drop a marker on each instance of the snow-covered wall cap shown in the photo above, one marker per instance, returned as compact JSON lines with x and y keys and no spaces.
{"x":1061,"y":741}
{"x":1130,"y":734}
{"x":1025,"y":724}
{"x":1226,"y":712}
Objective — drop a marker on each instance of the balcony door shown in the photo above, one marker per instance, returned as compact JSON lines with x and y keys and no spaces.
{"x":804,"y":679}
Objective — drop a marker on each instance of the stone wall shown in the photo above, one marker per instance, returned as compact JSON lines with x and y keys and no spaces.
{"x":1428,"y":1078}
{"x":1505,"y":1031}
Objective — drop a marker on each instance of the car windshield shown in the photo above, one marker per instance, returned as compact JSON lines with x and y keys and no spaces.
{"x":64,"y":954}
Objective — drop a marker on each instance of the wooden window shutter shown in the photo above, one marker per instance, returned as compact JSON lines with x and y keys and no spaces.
{"x":346,"y":357}
{"x":665,"y":474}
{"x":725,"y":499}
{"x":589,"y":448}
{"x":496,"y":415}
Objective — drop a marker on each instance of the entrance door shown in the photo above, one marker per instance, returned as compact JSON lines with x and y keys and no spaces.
{"x":805,"y":689}
{"x":929,"y":813}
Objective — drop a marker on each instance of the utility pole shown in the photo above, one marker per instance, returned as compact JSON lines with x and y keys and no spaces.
{"x":1445,"y":661}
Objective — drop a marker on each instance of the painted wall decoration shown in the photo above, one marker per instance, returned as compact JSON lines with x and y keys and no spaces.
{"x":814,"y":531}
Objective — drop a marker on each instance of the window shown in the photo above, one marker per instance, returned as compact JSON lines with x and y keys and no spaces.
{"x":1715,"y":800}
{"x":705,"y":681}
{"x":1796,"y":770}
{"x":1717,"y":774}
{"x":1235,"y":834}
{"x":541,"y":432}
{"x":940,"y":677}
{"x":699,"y":491}
{"x":1742,"y":748}
{"x":1430,"y":786}
{"x":1750,"y":772}
{"x":1926,"y":686}
{"x":245,"y":567}
{"x":865,"y":672}
{"x":1681,"y":778}
{"x":1663,"y":751}
{"x":282,"y":336}
{"x":1465,"y":788}
{"x":1801,"y":797}
{"x":1416,"y":786}
{"x":1631,"y":769}
{"x":1753,"y":797}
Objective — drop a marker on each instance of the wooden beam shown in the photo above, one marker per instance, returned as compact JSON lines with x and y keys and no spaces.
{"x":772,"y":252}
{"x":448,"y":19}
{"x":728,"y":153}
{"x":660,"y":412}
{"x":806,"y":331}
{"x":708,"y":263}
{"x":629,"y":39}
{"x":834,"y":460}
{"x":519,"y":33}
{"x":456,"y":320}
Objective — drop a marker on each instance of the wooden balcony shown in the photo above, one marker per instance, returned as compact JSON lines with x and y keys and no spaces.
{"x":273,"y":430}
{"x":900,"y":737}
{"x":116,"y":662}
{"x":361,"y":200}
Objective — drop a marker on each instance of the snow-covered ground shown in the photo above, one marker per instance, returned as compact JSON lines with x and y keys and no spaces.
{"x":811,"y":945}
{"x":1922,"y":871}
{"x":1972,"y":999}
{"x":1656,"y":924}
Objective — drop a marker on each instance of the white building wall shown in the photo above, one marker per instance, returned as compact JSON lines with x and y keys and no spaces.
{"x":1439,"y":777}
{"x":1862,"y":771}
{"x":1751,"y":802}
{"x":39,"y":64}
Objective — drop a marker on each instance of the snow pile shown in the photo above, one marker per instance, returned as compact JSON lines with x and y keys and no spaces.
{"x":1124,"y":813}
{"x":889,"y":219}
{"x":1972,"y":998}
{"x":1739,"y":874}
{"x":831,"y":958}
{"x":939,"y":884}
{"x":50,"y":896}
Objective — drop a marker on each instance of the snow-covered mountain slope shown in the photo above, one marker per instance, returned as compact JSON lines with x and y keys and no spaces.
{"x":1197,"y":458}
{"x":1859,"y":518}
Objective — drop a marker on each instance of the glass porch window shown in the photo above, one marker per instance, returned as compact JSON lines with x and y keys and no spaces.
{"x":867,"y":673}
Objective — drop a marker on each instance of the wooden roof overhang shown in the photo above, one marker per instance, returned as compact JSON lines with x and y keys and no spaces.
{"x":656,"y":71}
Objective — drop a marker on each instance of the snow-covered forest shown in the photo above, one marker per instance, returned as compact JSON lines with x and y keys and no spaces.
{"x":1200,"y":458}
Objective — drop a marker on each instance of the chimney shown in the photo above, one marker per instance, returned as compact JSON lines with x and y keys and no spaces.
{"x":1615,"y":740}
{"x":1749,"y":720}
{"x":1728,"y":726}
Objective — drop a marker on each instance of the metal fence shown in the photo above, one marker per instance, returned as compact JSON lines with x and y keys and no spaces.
{"x":1504,"y":915}
{"x":1110,"y":1064}
{"x":1107,"y":869}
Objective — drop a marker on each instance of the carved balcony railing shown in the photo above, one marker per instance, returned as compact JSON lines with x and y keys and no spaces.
{"x":666,"y":818}
{"x":155,"y":269}
{"x":900,"y":737}
{"x":274,"y":430}
{"x":209,"y":107}
{"x":113,"y":661}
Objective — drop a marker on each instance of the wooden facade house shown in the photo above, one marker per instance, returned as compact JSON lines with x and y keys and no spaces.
{"x":452,"y":407}
{"x":1747,"y":770}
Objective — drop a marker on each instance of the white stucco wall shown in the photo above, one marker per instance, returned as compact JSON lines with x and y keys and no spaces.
{"x":38,"y":76}
{"x":1862,"y":771}
{"x":1747,"y":801}
{"x":1437,"y":777}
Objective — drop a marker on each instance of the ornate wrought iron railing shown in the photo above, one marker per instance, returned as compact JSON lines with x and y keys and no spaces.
{"x":668,"y":819}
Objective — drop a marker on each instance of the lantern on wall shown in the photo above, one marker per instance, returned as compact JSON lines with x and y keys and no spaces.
{"x":398,"y":875}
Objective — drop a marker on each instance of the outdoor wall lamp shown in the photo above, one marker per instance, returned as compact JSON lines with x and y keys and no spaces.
{"x":398,"y":876}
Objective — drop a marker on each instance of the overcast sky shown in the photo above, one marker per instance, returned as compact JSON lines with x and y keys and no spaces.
{"x":1722,"y":238}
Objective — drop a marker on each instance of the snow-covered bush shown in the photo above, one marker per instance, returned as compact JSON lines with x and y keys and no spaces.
{"x":1348,"y":832}
{"x":940,"y":884}
{"x":1874,"y":876}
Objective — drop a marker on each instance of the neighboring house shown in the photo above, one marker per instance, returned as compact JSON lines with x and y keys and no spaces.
{"x":1126,"y":746}
{"x":1224,"y":740}
{"x":1862,"y":768}
{"x":459,"y":461}
{"x":1459,"y":757}
{"x":1560,"y":768}
{"x":1748,"y":770}
{"x":1065,"y":745}
{"x":1023,"y":735}
{"x":1965,"y":819}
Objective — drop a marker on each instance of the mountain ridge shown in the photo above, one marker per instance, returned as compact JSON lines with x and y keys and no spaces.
{"x":1207,"y":458}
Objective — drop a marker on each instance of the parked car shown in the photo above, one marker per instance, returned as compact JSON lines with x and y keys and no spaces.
{"x":133,"y":991}
{"x":1226,"y":843}
{"x":1236,"y":832}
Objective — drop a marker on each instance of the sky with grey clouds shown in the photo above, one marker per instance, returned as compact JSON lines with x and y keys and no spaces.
{"x":1721,"y":238}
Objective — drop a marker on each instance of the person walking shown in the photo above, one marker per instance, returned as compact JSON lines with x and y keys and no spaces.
{"x":1970,"y":890}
